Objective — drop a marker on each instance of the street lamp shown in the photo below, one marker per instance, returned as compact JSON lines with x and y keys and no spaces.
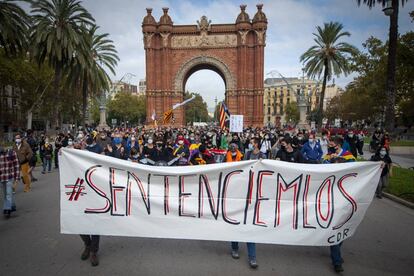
{"x":388,"y":10}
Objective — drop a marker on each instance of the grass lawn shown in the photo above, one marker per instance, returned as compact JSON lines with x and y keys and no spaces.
{"x":401,"y":183}
{"x":400,"y":143}
{"x":403,"y":143}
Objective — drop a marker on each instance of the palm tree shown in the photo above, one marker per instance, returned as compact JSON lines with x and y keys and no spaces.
{"x":60,"y":31}
{"x":327,"y":56}
{"x":14,"y":27}
{"x":88,"y":68}
{"x":392,"y":58}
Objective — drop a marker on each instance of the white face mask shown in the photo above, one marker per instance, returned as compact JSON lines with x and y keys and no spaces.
{"x":180,"y":142}
{"x":132,"y":138}
{"x":150,"y":141}
{"x":70,"y":143}
{"x":324,"y":137}
{"x":18,"y":141}
{"x":311,"y":140}
{"x":351,"y":135}
{"x":383,"y":153}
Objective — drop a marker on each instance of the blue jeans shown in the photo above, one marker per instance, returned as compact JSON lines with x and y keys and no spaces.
{"x":336,"y":254}
{"x":8,"y":196}
{"x":47,"y":163}
{"x":251,"y":249}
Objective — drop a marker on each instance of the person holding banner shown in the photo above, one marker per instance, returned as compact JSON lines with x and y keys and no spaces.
{"x":254,"y":154}
{"x":91,"y":242}
{"x":337,"y":155}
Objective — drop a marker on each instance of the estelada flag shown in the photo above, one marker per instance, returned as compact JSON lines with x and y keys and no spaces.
{"x":168,"y":115}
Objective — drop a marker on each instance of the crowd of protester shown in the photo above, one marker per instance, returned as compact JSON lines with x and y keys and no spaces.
{"x":187,"y":146}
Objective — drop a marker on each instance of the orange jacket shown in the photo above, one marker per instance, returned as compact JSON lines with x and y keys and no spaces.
{"x":229,"y":157}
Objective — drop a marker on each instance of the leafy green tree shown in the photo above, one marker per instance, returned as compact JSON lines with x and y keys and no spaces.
{"x":14,"y":28}
{"x":88,"y":68}
{"x":32,"y":82}
{"x":292,"y":113}
{"x":392,"y":58}
{"x":126,"y":107}
{"x":328,"y":57}
{"x":196,"y":110}
{"x":60,"y":31}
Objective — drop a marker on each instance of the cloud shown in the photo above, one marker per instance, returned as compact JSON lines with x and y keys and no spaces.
{"x":289,"y":34}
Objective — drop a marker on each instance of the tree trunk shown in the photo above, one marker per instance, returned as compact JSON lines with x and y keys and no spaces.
{"x":392,"y":56}
{"x":84,"y":100}
{"x":29,"y":119}
{"x":320,"y":111}
{"x":56,"y":86}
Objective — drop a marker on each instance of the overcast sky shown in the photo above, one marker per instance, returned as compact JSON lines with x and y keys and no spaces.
{"x":290,"y":27}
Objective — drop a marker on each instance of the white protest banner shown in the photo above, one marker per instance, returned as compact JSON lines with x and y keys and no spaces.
{"x":236,"y":123}
{"x":263,"y":201}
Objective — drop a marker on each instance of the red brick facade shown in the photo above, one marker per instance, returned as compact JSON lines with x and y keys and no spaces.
{"x":234,"y":51}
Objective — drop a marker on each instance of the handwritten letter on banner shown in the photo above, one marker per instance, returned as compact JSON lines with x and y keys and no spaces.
{"x":258,"y":201}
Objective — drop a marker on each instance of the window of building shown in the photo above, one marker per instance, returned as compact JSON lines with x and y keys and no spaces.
{"x":268,"y":110}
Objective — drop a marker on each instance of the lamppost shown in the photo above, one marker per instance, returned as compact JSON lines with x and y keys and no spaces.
{"x":103,"y":99}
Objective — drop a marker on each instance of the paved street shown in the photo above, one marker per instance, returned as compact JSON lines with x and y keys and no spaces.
{"x":404,"y":161}
{"x":30,"y":244}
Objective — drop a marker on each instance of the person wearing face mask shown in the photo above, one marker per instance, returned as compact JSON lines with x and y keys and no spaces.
{"x":92,"y":146}
{"x":149,"y":149}
{"x":352,"y":141}
{"x":376,"y":141}
{"x":335,"y":150}
{"x":253,"y":154}
{"x":116,"y":150}
{"x":233,"y":154}
{"x":9,"y":174}
{"x":48,"y":155}
{"x":70,"y":144}
{"x":298,"y":141}
{"x":266,"y":145}
{"x":181,"y":149}
{"x":383,"y":156}
{"x":103,"y":140}
{"x":132,"y":143}
{"x":24,"y":154}
{"x":324,"y":141}
{"x":312,"y":151}
{"x":91,"y":242}
{"x":289,"y":154}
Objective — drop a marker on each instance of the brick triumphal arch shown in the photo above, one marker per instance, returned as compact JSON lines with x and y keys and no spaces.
{"x":234,"y":51}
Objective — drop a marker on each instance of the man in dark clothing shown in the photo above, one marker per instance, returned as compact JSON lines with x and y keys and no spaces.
{"x":92,"y":146}
{"x":117,"y":150}
{"x":58,"y":146}
{"x":91,"y":241}
{"x":288,"y":153}
{"x":353,"y":142}
{"x":34,"y":146}
{"x":382,"y":155}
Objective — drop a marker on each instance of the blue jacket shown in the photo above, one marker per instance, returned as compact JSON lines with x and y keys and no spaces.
{"x":314,"y":154}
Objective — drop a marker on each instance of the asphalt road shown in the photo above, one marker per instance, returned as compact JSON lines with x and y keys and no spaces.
{"x":30,"y":244}
{"x":404,"y":161}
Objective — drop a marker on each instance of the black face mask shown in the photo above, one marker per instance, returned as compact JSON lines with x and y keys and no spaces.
{"x":331,"y":150}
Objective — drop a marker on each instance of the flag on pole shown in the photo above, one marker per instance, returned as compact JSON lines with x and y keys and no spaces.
{"x":224,"y":115}
{"x":183,"y":103}
{"x":168,"y":115}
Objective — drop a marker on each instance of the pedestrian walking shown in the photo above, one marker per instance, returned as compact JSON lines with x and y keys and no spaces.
{"x":24,"y":154}
{"x":9,"y":174}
